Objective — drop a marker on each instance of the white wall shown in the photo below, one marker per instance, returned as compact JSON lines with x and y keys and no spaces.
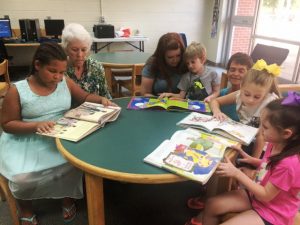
{"x":151,"y":17}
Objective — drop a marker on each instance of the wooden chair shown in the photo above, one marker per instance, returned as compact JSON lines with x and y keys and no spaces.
{"x":134,"y":82}
{"x":4,"y":72}
{"x":224,"y":81}
{"x":113,"y":72}
{"x":5,"y":195}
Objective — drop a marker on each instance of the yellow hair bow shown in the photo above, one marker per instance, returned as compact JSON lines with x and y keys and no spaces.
{"x":273,"y":69}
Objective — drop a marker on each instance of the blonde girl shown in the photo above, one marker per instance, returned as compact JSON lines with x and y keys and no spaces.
{"x":258,"y":88}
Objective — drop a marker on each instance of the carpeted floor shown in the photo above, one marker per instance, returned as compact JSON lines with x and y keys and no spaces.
{"x":125,"y":204}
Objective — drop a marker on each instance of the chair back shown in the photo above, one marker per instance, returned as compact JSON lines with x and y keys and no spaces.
{"x":270,"y":54}
{"x":4,"y":85}
{"x":284,"y":88}
{"x":136,"y":80}
{"x":224,"y":81}
{"x":3,"y":52}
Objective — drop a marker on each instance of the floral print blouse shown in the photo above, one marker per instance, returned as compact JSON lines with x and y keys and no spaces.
{"x":93,"y":78}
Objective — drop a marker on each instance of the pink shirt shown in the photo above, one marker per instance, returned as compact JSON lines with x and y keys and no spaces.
{"x":282,"y":209}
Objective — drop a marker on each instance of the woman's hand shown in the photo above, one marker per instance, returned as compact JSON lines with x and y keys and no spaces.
{"x":44,"y":126}
{"x":106,"y":102}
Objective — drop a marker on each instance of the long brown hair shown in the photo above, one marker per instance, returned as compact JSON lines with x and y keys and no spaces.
{"x":168,"y":41}
{"x":282,"y":117}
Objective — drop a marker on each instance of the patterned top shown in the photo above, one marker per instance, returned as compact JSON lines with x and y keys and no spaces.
{"x":93,"y":78}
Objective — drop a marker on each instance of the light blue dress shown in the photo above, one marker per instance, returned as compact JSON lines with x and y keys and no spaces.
{"x":31,"y":162}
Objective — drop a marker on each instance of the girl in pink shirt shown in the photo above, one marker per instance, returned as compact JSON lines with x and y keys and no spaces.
{"x":274,"y":197}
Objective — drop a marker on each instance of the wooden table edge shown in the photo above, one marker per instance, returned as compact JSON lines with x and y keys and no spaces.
{"x":118,"y":176}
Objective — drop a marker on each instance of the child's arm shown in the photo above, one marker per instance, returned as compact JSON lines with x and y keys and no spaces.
{"x":11,"y":119}
{"x":215,"y":93}
{"x":262,"y":193}
{"x":223,"y":100}
{"x":81,"y":96}
{"x":247,"y":158}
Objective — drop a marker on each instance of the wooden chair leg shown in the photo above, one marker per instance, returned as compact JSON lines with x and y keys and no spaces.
{"x":12,"y":203}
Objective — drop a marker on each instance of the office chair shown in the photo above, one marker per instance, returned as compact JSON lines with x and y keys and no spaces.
{"x":270,"y":54}
{"x":183,"y":37}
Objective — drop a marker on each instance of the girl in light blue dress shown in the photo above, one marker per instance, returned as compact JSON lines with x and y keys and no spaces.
{"x":32,"y":164}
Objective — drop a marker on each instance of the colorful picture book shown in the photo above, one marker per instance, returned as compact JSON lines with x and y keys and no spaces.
{"x":83,"y":120}
{"x":190,"y":153}
{"x":137,"y":103}
{"x":228,"y":128}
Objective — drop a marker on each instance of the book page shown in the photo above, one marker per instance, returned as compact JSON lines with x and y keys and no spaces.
{"x":191,"y":163}
{"x":198,"y":106}
{"x":183,"y":160}
{"x":92,"y":112}
{"x":241,"y":132}
{"x":156,"y":102}
{"x":72,"y":129}
{"x":198,"y":140}
{"x":200,"y":121}
{"x":177,"y":104}
{"x":137,"y":103}
{"x":162,"y":151}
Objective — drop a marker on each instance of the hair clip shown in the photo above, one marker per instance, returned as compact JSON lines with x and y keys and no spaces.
{"x":293,"y":99}
{"x":273,"y":69}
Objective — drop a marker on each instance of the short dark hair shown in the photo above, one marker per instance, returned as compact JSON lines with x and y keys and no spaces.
{"x":240,"y":58}
{"x":46,"y":53}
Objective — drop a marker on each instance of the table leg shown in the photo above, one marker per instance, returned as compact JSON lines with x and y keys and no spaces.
{"x":95,"y":199}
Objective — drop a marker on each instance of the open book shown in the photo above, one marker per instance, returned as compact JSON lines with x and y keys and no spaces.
{"x":228,"y":128}
{"x":190,"y":153}
{"x":168,"y":104}
{"x":83,"y":120}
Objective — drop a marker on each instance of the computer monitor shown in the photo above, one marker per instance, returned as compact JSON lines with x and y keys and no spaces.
{"x":54,"y":27}
{"x":5,"y":28}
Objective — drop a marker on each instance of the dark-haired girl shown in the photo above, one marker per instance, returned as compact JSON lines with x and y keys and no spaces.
{"x":274,"y":197}
{"x":31,"y":162}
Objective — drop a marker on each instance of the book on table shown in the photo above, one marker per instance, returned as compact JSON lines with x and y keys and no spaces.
{"x":138,"y":103}
{"x":79,"y":122}
{"x":190,"y":153}
{"x":231,"y":129}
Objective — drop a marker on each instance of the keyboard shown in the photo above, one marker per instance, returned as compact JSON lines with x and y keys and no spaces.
{"x":12,"y":40}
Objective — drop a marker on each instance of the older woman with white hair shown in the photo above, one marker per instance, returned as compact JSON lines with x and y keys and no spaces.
{"x":85,"y":71}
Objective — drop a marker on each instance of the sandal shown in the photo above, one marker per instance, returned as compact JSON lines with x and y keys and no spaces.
{"x":195,"y":203}
{"x":193,"y":221}
{"x":70,"y":212}
{"x":29,"y":220}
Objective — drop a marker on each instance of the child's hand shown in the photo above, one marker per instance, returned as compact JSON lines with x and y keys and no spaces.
{"x":227,"y":169}
{"x":165,"y":94}
{"x":208,"y":98}
{"x":44,"y":126}
{"x":220,"y":116}
{"x":245,"y":157}
{"x":106,"y":102}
